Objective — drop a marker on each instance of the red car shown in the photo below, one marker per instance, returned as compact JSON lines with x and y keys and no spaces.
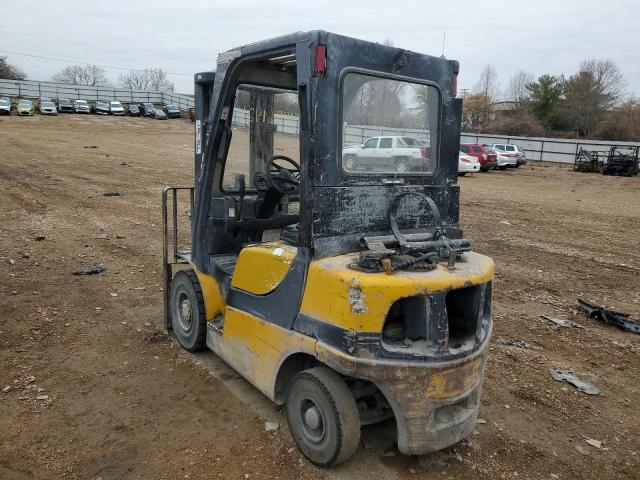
{"x":487,"y":160}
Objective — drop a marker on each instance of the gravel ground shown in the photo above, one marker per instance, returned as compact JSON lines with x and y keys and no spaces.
{"x":97,"y":390}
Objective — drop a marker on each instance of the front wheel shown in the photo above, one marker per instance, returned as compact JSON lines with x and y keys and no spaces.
{"x":188,"y":318}
{"x":323,"y":416}
{"x":350,"y":163}
{"x":462,"y":174}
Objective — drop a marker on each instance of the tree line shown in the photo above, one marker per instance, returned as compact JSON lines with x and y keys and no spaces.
{"x":95,"y":76}
{"x":590,"y":103}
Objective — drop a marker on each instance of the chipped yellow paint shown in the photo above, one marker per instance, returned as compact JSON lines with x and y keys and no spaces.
{"x":263,"y":266}
{"x":214,"y":303}
{"x":256,"y":348}
{"x":454,"y":382}
{"x":359,"y":301}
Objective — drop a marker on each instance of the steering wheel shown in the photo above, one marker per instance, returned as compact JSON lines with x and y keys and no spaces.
{"x":425,"y":200}
{"x":281,"y":179}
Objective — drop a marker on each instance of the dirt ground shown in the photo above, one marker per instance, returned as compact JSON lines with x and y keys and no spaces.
{"x":96,"y":390}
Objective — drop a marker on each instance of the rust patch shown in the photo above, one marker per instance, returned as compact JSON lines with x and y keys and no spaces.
{"x":455,"y":381}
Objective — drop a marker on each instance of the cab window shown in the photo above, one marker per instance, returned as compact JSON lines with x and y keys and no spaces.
{"x":393,"y":107}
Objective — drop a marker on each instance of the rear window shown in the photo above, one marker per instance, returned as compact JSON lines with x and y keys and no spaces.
{"x":388,"y":106}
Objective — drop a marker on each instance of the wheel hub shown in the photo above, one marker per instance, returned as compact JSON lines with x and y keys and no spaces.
{"x":312,"y":418}
{"x":184,"y":312}
{"x":313,"y":422}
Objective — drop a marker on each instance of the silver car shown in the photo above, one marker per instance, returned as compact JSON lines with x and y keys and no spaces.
{"x":116,"y":108}
{"x":48,"y":108}
{"x":5,"y":106}
{"x":82,"y":106}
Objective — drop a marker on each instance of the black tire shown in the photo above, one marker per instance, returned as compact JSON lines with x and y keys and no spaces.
{"x":319,"y":396}
{"x":462,"y":174}
{"x":188,"y":318}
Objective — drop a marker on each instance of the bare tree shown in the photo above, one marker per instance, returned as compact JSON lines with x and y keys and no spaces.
{"x":148,"y":79}
{"x":596,"y":88}
{"x":517,"y":90}
{"x":487,"y":84}
{"x":9,"y":72}
{"x":90,"y":75}
{"x":485,"y":93}
{"x":134,"y":80}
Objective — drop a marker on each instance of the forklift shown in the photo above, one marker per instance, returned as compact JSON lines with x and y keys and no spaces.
{"x":347,"y":295}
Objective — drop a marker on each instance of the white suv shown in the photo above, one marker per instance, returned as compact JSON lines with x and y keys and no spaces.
{"x":388,"y":154}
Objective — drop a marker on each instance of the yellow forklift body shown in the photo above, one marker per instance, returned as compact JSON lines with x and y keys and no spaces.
{"x":261,"y":267}
{"x":361,"y":300}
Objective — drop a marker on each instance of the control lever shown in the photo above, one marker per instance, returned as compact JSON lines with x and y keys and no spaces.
{"x":240,"y":187}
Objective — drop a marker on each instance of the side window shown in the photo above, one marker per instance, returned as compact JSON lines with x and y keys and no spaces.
{"x":265,"y":123}
{"x":511,"y":148}
{"x":464,"y":148}
{"x":500,"y":147}
{"x":386,"y":142}
{"x":477,"y":149}
{"x":371,"y":143}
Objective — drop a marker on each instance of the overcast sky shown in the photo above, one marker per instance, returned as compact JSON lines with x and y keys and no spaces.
{"x":538,"y":36}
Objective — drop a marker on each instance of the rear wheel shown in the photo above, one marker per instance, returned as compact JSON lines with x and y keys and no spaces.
{"x":188,"y":318}
{"x":323,"y":416}
{"x":462,"y":174}
{"x":402,"y":165}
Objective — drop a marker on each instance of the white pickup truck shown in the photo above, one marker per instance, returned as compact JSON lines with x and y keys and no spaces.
{"x":393,"y":154}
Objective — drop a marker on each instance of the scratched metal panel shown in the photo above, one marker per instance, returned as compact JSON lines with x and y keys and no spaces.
{"x":341,"y":215}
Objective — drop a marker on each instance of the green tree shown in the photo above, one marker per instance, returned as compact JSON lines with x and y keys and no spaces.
{"x":546,"y":98}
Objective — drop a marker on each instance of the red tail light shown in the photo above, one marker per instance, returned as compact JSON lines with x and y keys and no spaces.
{"x":423,"y":152}
{"x":321,"y":59}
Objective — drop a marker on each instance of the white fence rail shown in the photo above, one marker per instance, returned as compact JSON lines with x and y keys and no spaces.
{"x":284,"y":123}
{"x":33,"y":89}
{"x":537,"y":148}
{"x":545,"y":149}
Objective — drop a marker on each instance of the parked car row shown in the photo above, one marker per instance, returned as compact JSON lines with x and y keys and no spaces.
{"x":403,"y":154}
{"x":496,"y":156}
{"x":47,"y":106}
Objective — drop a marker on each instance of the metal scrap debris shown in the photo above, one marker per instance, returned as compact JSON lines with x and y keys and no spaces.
{"x":91,"y":271}
{"x":610,"y":317}
{"x":111,"y":194}
{"x":593,"y":442}
{"x":560,"y":322}
{"x":570,"y":377}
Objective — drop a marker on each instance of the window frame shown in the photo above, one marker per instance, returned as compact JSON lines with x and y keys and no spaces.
{"x":386,"y":76}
